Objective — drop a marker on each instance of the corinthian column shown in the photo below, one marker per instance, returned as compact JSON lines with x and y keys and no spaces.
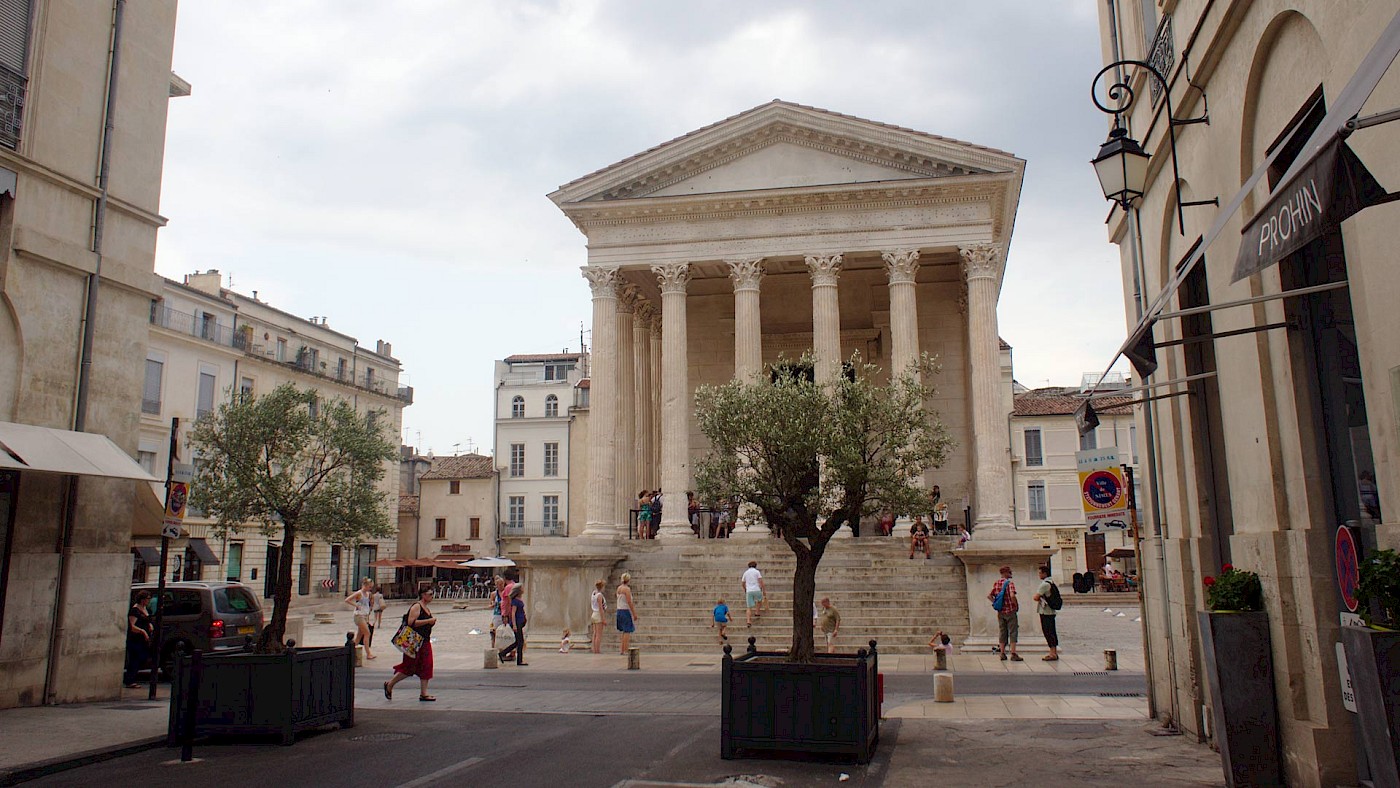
{"x":624,"y":484}
{"x":602,"y":403}
{"x":982,"y":265}
{"x":675,"y":399}
{"x":641,"y":396}
{"x":826,"y":316}
{"x":902,"y":265}
{"x":654,"y":472}
{"x":748,"y":333}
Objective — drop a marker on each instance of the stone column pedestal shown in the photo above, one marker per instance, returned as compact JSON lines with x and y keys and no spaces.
{"x":559,"y":577}
{"x":983,"y":564}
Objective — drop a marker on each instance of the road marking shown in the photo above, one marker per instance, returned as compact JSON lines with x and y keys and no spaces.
{"x":429,"y":779}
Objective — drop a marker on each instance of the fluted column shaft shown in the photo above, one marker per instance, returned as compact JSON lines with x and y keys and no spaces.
{"x":902,"y":266}
{"x":641,"y":397}
{"x":748,"y":331}
{"x":654,"y":471}
{"x":826,"y":316}
{"x":602,"y":403}
{"x":675,"y":399}
{"x":624,"y":486}
{"x":982,"y":266}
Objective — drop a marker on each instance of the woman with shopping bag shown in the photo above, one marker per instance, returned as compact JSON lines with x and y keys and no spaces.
{"x":415,"y":640}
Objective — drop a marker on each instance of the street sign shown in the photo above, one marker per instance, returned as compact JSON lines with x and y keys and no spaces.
{"x":1348,"y":567}
{"x":1103,"y":493}
{"x":175,"y":505}
{"x":1344,"y":672}
{"x":182,"y":472}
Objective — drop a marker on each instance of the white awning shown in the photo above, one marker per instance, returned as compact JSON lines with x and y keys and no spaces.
{"x":24,"y":447}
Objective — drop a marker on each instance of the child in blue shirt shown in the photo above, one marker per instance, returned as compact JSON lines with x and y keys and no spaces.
{"x":721,"y":619}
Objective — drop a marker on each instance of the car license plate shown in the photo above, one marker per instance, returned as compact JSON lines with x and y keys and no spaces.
{"x":247,"y":630}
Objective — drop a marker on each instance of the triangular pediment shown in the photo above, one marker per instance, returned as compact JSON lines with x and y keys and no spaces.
{"x":782,"y":145}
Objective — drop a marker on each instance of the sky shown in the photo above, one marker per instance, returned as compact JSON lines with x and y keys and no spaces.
{"x":385,"y":163}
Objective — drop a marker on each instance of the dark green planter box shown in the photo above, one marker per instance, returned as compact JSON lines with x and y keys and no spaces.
{"x":1240,"y":672}
{"x":829,"y":706}
{"x":265,"y":694}
{"x":1373,"y":657}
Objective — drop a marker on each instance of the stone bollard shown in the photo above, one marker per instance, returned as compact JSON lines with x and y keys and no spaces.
{"x":940,"y":660}
{"x":1110,"y":659}
{"x":359,"y":655}
{"x":490,"y":659}
{"x":634,"y":658}
{"x":943,"y":688}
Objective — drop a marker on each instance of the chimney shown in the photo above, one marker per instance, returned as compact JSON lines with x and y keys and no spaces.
{"x":384,"y":348}
{"x":210,"y":281}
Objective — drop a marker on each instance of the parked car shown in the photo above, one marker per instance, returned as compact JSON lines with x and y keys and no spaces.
{"x":207,"y":615}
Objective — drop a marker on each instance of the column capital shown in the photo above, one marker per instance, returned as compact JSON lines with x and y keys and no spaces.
{"x":645,"y":312}
{"x":746,"y":273}
{"x":825,"y":269}
{"x":628,"y":296}
{"x":603,"y":281}
{"x":672,"y":277}
{"x":901,"y":265}
{"x":981,"y":261}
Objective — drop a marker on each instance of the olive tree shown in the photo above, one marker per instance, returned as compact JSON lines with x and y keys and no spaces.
{"x":291,"y":466}
{"x":812,"y":458}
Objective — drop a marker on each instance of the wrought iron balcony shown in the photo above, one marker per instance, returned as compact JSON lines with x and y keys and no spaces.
{"x":196,"y":326}
{"x":534,"y":528}
{"x":13,"y":87}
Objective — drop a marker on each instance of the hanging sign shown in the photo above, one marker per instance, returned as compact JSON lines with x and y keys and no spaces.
{"x":1103,"y":492}
{"x":175,"y":505}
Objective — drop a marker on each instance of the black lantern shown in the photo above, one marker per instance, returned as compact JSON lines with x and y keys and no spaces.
{"x":1122,"y":167}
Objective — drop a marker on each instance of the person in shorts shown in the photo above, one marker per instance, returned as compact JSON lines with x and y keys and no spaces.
{"x":598,"y":607}
{"x":1008,"y":626}
{"x":918,"y":537}
{"x":829,"y":622}
{"x":752,"y":583}
{"x":721,"y":619}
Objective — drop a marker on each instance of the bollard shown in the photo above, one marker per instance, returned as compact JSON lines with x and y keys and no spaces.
{"x":359,"y":655}
{"x":634,"y":658}
{"x":943,"y":688}
{"x":1110,"y":659}
{"x":195,"y":676}
{"x":490,"y":659}
{"x":940,"y":660}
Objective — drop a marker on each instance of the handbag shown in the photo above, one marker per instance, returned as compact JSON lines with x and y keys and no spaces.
{"x":407,"y":639}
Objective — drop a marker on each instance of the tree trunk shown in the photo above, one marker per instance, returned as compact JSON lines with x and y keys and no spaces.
{"x":804,"y":588}
{"x":274,"y":632}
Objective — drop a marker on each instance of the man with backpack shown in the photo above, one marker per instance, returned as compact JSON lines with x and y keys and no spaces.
{"x":1003,"y":599}
{"x":1048,"y":602}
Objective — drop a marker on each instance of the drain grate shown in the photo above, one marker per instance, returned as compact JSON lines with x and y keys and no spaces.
{"x":1091,"y":673}
{"x":377,"y":737}
{"x":1120,"y":694}
{"x":131,"y":707}
{"x":700,"y":664}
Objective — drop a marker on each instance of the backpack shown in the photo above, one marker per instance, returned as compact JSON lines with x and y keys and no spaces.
{"x":1053,"y":599}
{"x":999,"y":601}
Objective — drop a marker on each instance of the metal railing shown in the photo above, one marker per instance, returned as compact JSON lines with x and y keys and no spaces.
{"x":534,"y":528}
{"x":13,"y":87}
{"x":195,"y":326}
{"x":704,"y":523}
{"x":1162,"y":57}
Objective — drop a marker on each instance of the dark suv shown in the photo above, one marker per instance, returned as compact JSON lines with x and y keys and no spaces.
{"x":210,"y":615}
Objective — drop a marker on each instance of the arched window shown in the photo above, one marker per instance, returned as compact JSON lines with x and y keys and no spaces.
{"x":551,"y":405}
{"x":517,"y":408}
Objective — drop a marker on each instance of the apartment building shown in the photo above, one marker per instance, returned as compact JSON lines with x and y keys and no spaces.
{"x":535,"y":394}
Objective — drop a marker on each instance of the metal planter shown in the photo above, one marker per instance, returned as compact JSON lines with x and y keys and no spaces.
{"x":1240,"y":672}
{"x":1373,"y":657}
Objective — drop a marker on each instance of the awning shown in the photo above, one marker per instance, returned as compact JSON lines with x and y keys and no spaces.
{"x":1316,"y":201}
{"x":24,"y":447}
{"x":149,"y":556}
{"x":1123,"y":552}
{"x":202,"y":551}
{"x":148,"y":510}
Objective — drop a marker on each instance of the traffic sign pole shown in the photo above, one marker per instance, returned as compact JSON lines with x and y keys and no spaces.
{"x":157,"y":642}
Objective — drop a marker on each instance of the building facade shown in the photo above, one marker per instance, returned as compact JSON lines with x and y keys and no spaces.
{"x":1277,"y":381}
{"x":535,"y":399}
{"x":457,"y":504}
{"x":209,"y":344}
{"x":77,"y":250}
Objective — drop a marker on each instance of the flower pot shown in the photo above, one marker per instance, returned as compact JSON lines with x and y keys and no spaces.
{"x":1240,"y":673}
{"x":1373,"y":657}
{"x":827,"y":706}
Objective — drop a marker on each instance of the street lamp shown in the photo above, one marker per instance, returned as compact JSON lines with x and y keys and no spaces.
{"x":1122,"y":168}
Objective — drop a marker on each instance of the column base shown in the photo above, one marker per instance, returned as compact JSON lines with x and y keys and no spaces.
{"x":673,"y":530}
{"x":602,"y":531}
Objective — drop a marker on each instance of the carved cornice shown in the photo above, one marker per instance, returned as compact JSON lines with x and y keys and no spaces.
{"x":602,"y":280}
{"x":901,"y":265}
{"x":672,"y":277}
{"x":981,"y":261}
{"x":747,"y":273}
{"x":825,"y":269}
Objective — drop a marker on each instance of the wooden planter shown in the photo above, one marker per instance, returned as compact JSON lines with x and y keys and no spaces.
{"x":260,"y":694}
{"x":829,"y":706}
{"x":1373,"y":657}
{"x":1240,"y":672}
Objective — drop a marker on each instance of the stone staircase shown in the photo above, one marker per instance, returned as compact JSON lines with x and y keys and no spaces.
{"x":881,"y":593}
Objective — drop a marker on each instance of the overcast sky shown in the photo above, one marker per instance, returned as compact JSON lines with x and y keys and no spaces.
{"x":385,"y":164}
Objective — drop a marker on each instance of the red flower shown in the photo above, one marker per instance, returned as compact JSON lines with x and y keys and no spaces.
{"x":1209,"y":581}
{"x":1228,"y":567}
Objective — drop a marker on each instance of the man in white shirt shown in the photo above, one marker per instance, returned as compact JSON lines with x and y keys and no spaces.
{"x":753,"y":592}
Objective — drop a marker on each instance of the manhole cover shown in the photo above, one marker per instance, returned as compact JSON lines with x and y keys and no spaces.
{"x":382,"y":737}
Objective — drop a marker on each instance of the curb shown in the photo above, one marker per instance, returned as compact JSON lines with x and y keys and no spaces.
{"x":33,"y":771}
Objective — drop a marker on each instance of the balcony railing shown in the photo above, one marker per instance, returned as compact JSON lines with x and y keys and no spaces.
{"x":534,"y":528}
{"x":12,"y":90}
{"x":195,"y":326}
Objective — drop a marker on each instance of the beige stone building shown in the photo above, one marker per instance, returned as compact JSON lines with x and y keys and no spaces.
{"x":457,"y":503}
{"x":535,"y":402}
{"x":78,"y":223}
{"x":1277,"y":389}
{"x":208,"y":344}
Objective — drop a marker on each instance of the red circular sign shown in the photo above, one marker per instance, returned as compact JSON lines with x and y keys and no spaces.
{"x":1348,"y":567}
{"x":1102,"y":489}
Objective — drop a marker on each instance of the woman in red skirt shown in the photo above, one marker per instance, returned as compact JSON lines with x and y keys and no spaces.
{"x":421,"y":620}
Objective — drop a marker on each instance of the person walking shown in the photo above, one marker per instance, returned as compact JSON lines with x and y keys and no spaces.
{"x":752,"y":583}
{"x":720,"y":618}
{"x":626,"y":612}
{"x":829,"y":621}
{"x":1043,"y":596}
{"x":378,"y":604}
{"x":1003,"y":599}
{"x":363,"y":603}
{"x":513,"y":608}
{"x":598,"y":605}
{"x":498,"y":583}
{"x":139,"y":634}
{"x":421,"y":620}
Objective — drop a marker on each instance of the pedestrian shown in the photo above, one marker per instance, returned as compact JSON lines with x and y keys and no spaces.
{"x":829,"y":621}
{"x":655,"y":514}
{"x":941,"y":642}
{"x":598,"y":606}
{"x":566,"y":641}
{"x":720,"y":618}
{"x":421,"y":620}
{"x":1003,"y":599}
{"x":886,"y":523}
{"x":513,"y":609}
{"x":1045,"y":596}
{"x":363,"y":603}
{"x":139,"y":635}
{"x":378,"y":604}
{"x":626,"y":611}
{"x":963,"y":536}
{"x":918,"y":537}
{"x":752,"y":583}
{"x":644,"y":515}
{"x":498,"y":583}
{"x":692,"y":511}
